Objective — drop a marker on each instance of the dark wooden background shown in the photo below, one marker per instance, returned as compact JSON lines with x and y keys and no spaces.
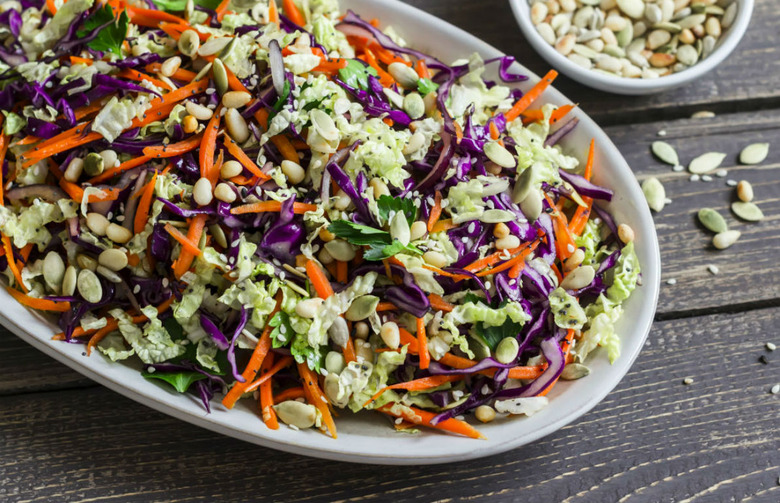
{"x":653,"y":439}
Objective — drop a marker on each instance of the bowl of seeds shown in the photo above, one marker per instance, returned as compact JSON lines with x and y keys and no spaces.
{"x":633,"y":46}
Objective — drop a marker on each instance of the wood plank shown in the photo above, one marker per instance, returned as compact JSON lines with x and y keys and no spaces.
{"x":652,"y":439}
{"x":744,"y":81}
{"x":26,"y":369}
{"x":686,"y":248}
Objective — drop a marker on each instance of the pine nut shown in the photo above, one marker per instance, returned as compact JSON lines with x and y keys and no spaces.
{"x":201,"y":192}
{"x":326,"y":235}
{"x":361,"y":330}
{"x":114,"y":259}
{"x":574,"y":260}
{"x":189,"y":124}
{"x":73,"y":171}
{"x":225,"y":193}
{"x":89,"y":286}
{"x":236,"y":99}
{"x":625,"y":233}
{"x":170,"y":66}
{"x":508,"y":242}
{"x":118,"y":234}
{"x":342,"y":201}
{"x":379,"y":187}
{"x":198,"y":111}
{"x":307,"y":308}
{"x":236,"y":125}
{"x":580,"y":277}
{"x":500,"y":230}
{"x":230,"y":169}
{"x":745,"y":191}
{"x":390,"y":334}
{"x":97,"y":223}
{"x":723,"y":240}
{"x":298,"y":414}
{"x":485,"y":413}
{"x":415,"y":143}
{"x":334,"y":362}
{"x":363,"y":351}
{"x":293,"y":171}
{"x":418,"y":230}
{"x":69,"y":281}
{"x":435,"y":259}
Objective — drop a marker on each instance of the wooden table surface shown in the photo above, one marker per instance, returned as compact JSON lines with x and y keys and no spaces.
{"x":653,"y":439}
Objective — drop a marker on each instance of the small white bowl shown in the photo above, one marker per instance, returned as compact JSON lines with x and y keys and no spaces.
{"x":624,"y":85}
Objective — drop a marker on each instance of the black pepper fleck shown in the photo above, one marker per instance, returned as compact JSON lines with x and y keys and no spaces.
{"x":763,"y":359}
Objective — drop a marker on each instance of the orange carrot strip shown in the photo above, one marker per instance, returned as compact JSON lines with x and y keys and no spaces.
{"x":423,"y":417}
{"x":425,"y":357}
{"x":75,"y":60}
{"x":527,"y":372}
{"x":514,"y":272}
{"x":142,"y":211}
{"x":35,"y":303}
{"x":266,"y":206}
{"x":435,"y":211}
{"x":285,"y":148}
{"x":90,"y":109}
{"x":244,"y":159}
{"x":443,"y":225}
{"x":440,"y":304}
{"x":591,"y":155}
{"x":3,"y":151}
{"x":318,"y":279}
{"x":9,"y":254}
{"x":273,"y":12}
{"x":316,"y":397}
{"x":266,"y":392}
{"x":422,"y":69}
{"x":182,"y":239}
{"x":384,"y":78}
{"x":522,"y":104}
{"x":517,"y":259}
{"x":418,"y":385}
{"x":208,"y":146}
{"x":564,"y":241}
{"x":293,"y":13}
{"x":494,"y":134}
{"x":140,"y":77}
{"x":51,"y":6}
{"x":349,"y":351}
{"x":385,"y":306}
{"x":174,"y":149}
{"x":157,"y":15}
{"x":185,"y":259}
{"x":221,"y":10}
{"x":407,"y":338}
{"x":491,"y":259}
{"x":125,"y":166}
{"x":341,"y":271}
{"x":289,"y":394}
{"x":556,"y":115}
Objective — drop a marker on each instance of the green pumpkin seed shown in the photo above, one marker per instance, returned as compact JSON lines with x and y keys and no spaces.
{"x":665,"y":152}
{"x":754,"y":154}
{"x":747,"y":211}
{"x":524,"y":184}
{"x":362,"y":307}
{"x":500,"y":155}
{"x":667,"y":26}
{"x":706,"y":163}
{"x":712,"y":220}
{"x":479,"y":348}
{"x":625,"y":36}
{"x":654,"y":193}
{"x":574,"y":371}
{"x":220,"y":76}
{"x":507,"y":349}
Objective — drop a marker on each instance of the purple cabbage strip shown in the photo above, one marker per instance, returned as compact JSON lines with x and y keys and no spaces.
{"x":555,"y":137}
{"x":585,"y":187}
{"x":231,"y":353}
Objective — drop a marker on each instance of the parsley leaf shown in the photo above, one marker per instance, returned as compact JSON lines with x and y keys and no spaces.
{"x":385,"y":204}
{"x":360,"y":234}
{"x":493,"y":335}
{"x":356,"y":73}
{"x":110,"y":38}
{"x":425,"y":86}
{"x":283,"y":331}
{"x":180,"y":5}
{"x":179,"y":380}
{"x":381,"y":252}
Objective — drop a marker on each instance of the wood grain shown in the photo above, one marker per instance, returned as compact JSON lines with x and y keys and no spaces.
{"x":652,"y":439}
{"x":746,"y":80}
{"x":747,"y":267}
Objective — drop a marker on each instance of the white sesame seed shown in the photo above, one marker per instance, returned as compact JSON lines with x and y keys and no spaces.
{"x":775,"y":389}
{"x":512,"y":282}
{"x":731,"y":183}
{"x":570,"y":248}
{"x":667,"y":201}
{"x":472,"y":227}
{"x":671,"y":281}
{"x":713,"y":269}
{"x":695,"y":178}
{"x":688,"y":380}
{"x":165,"y":282}
{"x":136,"y":289}
{"x":770,"y":346}
{"x":662,"y":132}
{"x":721,"y":173}
{"x":465,"y":239}
{"x":399,"y":420}
{"x":678,"y":168}
{"x":706,"y":178}
{"x":485,"y":389}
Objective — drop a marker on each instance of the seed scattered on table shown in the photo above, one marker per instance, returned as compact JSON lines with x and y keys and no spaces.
{"x":770,"y":346}
{"x":713,"y":269}
{"x":671,"y":281}
{"x":775,"y":389}
{"x":754,"y":154}
{"x":688,"y":380}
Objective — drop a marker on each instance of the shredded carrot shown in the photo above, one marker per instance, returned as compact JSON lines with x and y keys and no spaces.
{"x":564,"y":241}
{"x":182,"y":264}
{"x":423,"y":417}
{"x":174,"y":149}
{"x":293,"y":13}
{"x":273,"y":12}
{"x":182,"y":239}
{"x":316,"y":397}
{"x":514,"y":272}
{"x":244,"y":159}
{"x":125,"y":166}
{"x":443,"y":225}
{"x":51,"y":6}
{"x":494,"y":134}
{"x":518,"y":259}
{"x":425,"y":357}
{"x":439,"y":303}
{"x":582,"y":213}
{"x":289,"y":394}
{"x":556,"y":115}
{"x":349,"y":351}
{"x":522,"y":104}
{"x":458,"y":362}
{"x":151,"y":18}
{"x":36,"y":303}
{"x":318,"y":279}
{"x":418,"y":385}
{"x":140,"y":77}
{"x":407,"y":338}
{"x":273,"y":206}
{"x":142,"y":211}
{"x":491,"y":259}
{"x":266,"y":392}
{"x":208,"y":147}
{"x":384,"y":78}
{"x":221,"y":10}
{"x":433,"y":218}
{"x":422,"y":69}
{"x":341,"y":271}
{"x":75,"y":60}
{"x":285,"y":148}
{"x":385,"y":306}
{"x":9,"y":255}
